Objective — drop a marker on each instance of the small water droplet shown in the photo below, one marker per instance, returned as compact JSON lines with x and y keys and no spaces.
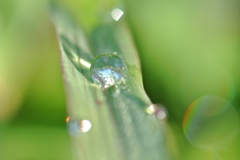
{"x":158,"y":110}
{"x":76,"y":127}
{"x":108,"y":70}
{"x":117,"y":14}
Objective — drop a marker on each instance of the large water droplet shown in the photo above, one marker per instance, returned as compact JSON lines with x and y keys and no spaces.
{"x":158,"y":110}
{"x":108,"y":70}
{"x":76,"y":127}
{"x":210,"y":122}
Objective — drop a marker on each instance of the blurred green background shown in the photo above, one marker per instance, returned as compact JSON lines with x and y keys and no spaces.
{"x":188,"y":49}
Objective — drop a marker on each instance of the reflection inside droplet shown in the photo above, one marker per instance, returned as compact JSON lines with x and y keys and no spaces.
{"x":158,"y":110}
{"x":108,"y":70}
{"x":117,"y":14}
{"x":76,"y":127}
{"x":210,"y":122}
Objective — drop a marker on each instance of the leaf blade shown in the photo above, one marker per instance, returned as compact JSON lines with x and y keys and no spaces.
{"x":121,"y":127}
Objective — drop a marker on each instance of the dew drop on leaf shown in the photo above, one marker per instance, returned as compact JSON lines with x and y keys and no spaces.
{"x":108,"y":70}
{"x":158,"y":110}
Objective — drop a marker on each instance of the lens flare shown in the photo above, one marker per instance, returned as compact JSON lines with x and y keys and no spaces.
{"x":210,"y":122}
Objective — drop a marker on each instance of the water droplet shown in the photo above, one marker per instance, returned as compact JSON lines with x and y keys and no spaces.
{"x":76,"y":127}
{"x":108,"y":70}
{"x":158,"y":110}
{"x":117,"y":14}
{"x":210,"y":122}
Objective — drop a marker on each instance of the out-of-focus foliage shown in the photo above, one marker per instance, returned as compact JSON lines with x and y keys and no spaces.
{"x":32,"y":101}
{"x":188,"y":49}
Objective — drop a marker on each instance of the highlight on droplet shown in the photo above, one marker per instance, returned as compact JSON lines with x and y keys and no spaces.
{"x":210,"y":122}
{"x":86,"y":125}
{"x":158,"y":110}
{"x":117,"y":14}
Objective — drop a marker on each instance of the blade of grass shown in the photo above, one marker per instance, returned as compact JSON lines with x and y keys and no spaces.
{"x":121,"y":127}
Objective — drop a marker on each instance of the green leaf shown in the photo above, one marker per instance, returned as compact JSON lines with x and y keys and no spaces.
{"x":121,"y":127}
